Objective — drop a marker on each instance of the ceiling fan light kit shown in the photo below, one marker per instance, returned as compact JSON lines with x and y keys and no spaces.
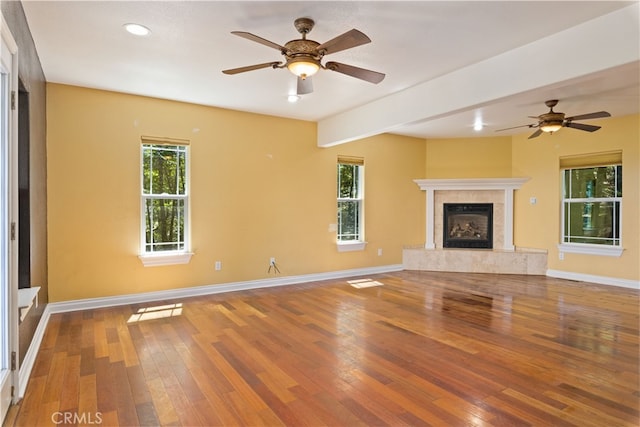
{"x":551,"y":126}
{"x":303,"y":57}
{"x":552,"y":121}
{"x":303,"y":67}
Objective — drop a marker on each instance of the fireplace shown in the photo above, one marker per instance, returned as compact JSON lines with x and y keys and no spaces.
{"x":468,"y":225}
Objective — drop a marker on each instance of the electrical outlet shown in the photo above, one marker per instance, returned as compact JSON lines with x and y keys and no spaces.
{"x":272,"y":261}
{"x":561,"y":256}
{"x":218,"y":265}
{"x":379,"y":251}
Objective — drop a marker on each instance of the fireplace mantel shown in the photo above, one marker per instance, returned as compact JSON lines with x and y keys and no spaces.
{"x":506,"y":185}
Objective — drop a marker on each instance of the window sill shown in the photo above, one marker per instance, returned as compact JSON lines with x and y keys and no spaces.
{"x":351,"y":246}
{"x":577,"y":248}
{"x":172,"y":258}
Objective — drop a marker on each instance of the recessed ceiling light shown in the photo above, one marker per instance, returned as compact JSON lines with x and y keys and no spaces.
{"x":293,"y":98}
{"x":477,"y":125}
{"x":137,"y":29}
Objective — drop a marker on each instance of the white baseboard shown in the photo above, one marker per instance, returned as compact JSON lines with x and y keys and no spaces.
{"x":91,"y":303}
{"x":86,"y":304}
{"x":601,"y":280}
{"x":32,"y":352}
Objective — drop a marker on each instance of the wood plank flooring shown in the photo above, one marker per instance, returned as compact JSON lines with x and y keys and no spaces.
{"x":421,"y":348}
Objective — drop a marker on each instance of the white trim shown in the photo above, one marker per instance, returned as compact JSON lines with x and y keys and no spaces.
{"x":9,"y":217}
{"x":430,"y":242}
{"x":601,"y":280}
{"x":91,"y":303}
{"x":471,"y":183}
{"x":158,"y":259}
{"x":507,"y":230}
{"x":350,"y":246}
{"x":29,"y":359}
{"x":586,"y":249}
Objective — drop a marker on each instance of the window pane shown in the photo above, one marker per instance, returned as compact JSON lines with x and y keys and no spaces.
{"x":348,"y":220}
{"x":592,"y":182}
{"x":164,"y":169}
{"x":593,"y":223}
{"x":164,"y":224}
{"x":348,"y":181}
{"x":605,"y":185}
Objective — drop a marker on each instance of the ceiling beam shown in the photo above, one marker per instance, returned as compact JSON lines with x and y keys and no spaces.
{"x":606,"y":42}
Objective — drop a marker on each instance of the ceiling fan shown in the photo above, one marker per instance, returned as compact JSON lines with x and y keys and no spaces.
{"x":552,"y":121}
{"x":303,"y":57}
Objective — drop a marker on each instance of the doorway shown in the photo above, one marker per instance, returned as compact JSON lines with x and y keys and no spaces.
{"x":8,"y":218}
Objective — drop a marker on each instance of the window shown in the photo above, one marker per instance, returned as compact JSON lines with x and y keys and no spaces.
{"x":165,"y":201}
{"x":591,"y":209}
{"x":350,"y":230}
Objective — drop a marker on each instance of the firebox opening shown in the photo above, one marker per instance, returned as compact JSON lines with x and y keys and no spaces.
{"x":468,"y":225}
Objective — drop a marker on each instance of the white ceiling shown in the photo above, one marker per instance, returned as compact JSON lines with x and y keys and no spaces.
{"x":446,"y":63}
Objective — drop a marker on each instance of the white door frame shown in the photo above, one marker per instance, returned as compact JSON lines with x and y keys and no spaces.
{"x":8,"y":221}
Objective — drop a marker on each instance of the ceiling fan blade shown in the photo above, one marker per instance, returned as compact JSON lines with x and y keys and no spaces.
{"x":357,"y":72}
{"x":305,"y":86}
{"x":596,"y":115}
{"x":582,"y":126}
{"x":535,"y":134}
{"x":515,"y":127}
{"x":251,"y":67}
{"x":258,"y":39}
{"x":351,"y":38}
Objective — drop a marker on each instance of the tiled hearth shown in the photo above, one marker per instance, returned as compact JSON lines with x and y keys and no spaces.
{"x":504,"y":258}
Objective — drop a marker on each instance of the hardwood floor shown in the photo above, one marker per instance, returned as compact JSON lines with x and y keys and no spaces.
{"x":441,"y":349}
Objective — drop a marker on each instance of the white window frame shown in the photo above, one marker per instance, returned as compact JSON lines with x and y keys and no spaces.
{"x":588,"y":248}
{"x":159,"y":258}
{"x":359,"y":243}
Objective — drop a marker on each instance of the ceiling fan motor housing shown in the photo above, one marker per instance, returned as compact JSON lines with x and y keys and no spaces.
{"x":551,"y":117}
{"x":550,"y":122}
{"x":299,"y":47}
{"x":302,"y":53}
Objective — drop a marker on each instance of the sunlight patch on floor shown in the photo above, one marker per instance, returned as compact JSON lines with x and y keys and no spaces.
{"x":364,"y":283}
{"x":156,"y":312}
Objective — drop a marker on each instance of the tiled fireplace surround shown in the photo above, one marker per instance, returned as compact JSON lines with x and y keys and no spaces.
{"x":503,"y":258}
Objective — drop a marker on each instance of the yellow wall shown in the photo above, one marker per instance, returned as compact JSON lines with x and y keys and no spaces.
{"x":260,"y":188}
{"x":538,"y":225}
{"x":469,"y":158}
